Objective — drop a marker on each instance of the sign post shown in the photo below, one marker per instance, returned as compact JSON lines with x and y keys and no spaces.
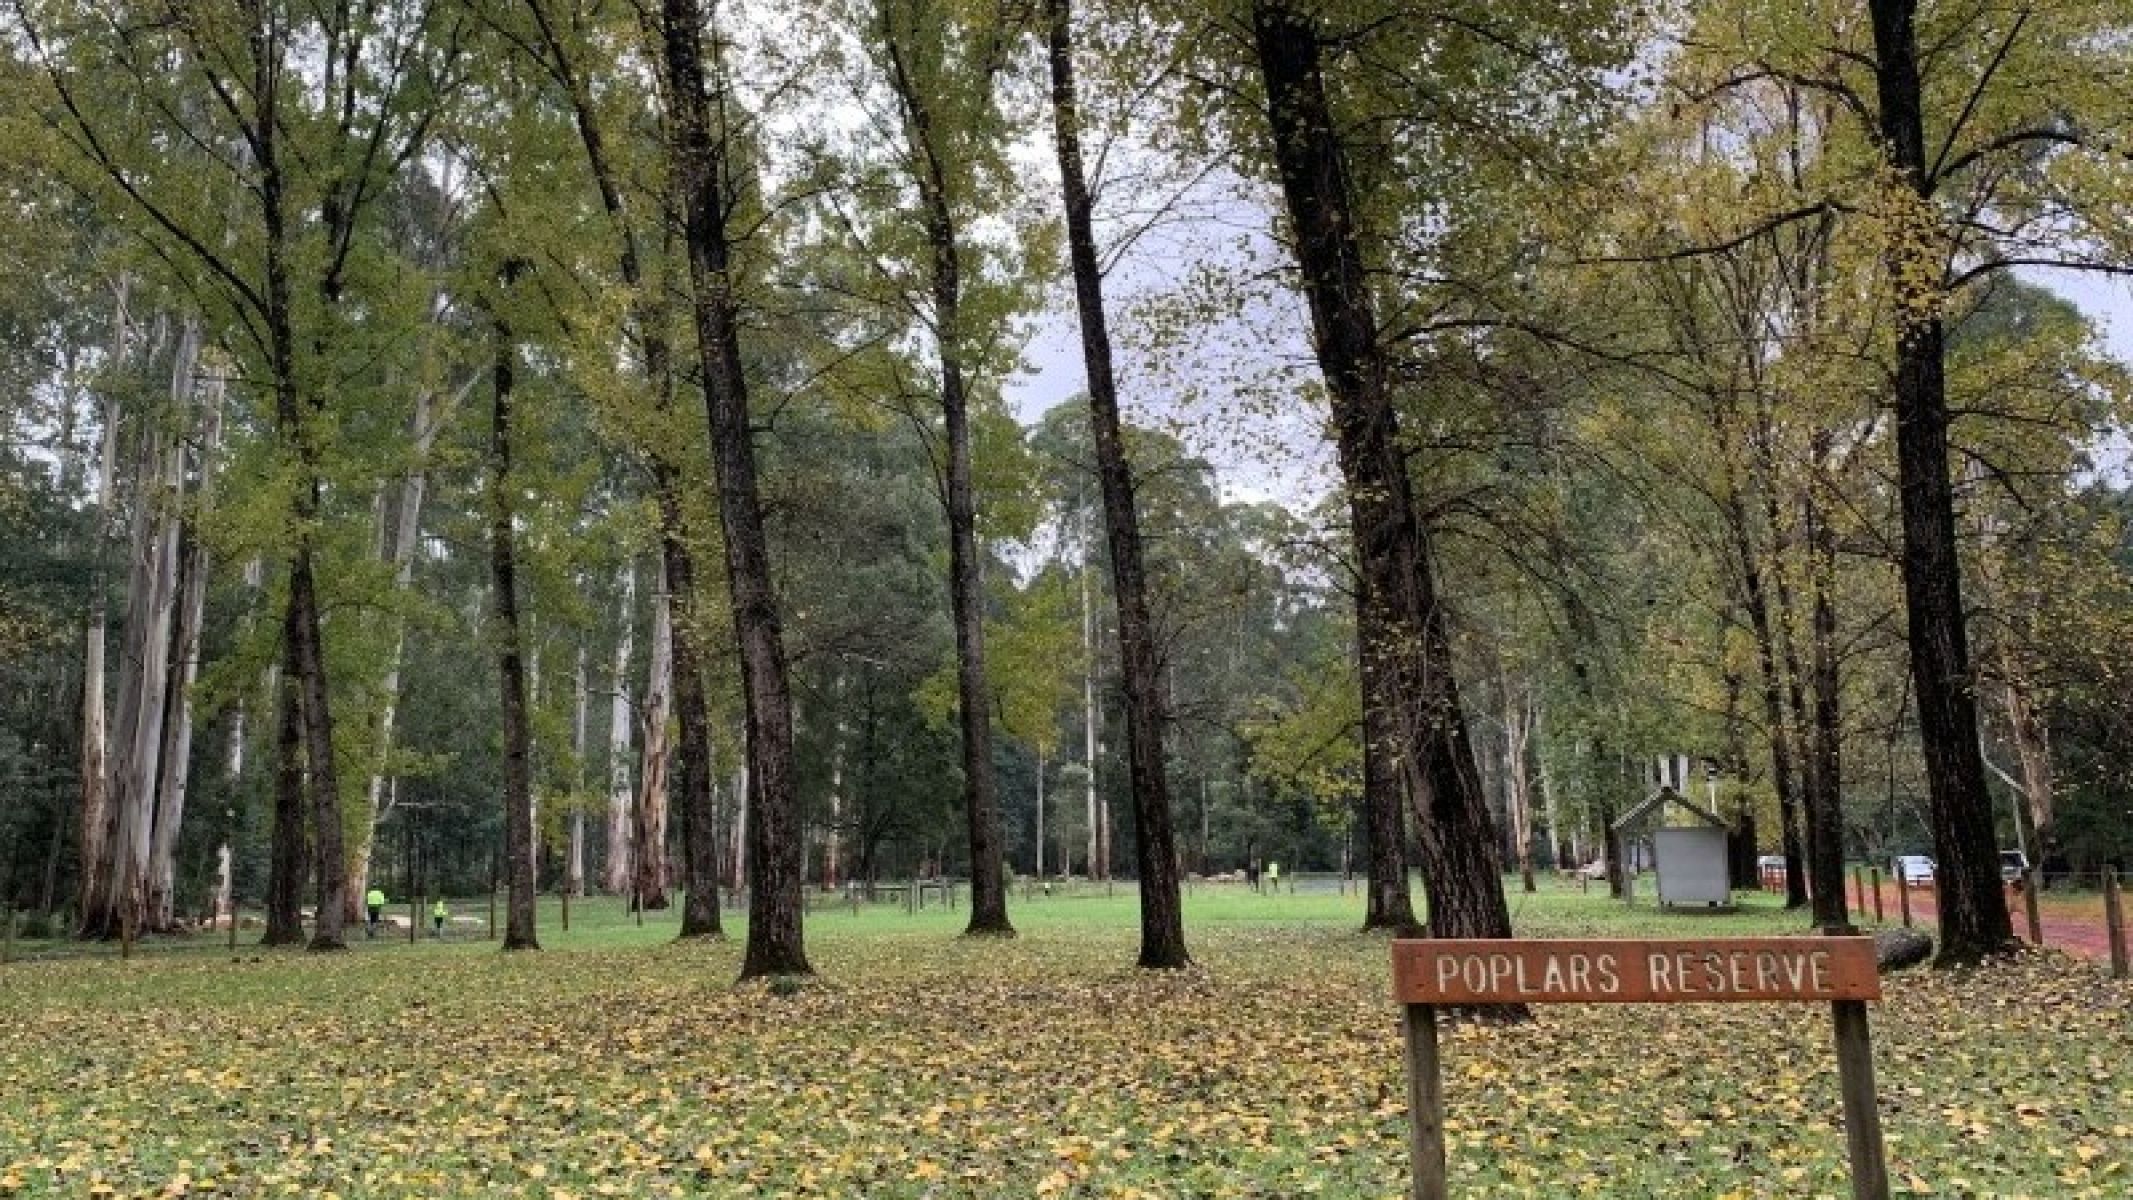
{"x":1429,"y":974}
{"x":1425,"y":1101}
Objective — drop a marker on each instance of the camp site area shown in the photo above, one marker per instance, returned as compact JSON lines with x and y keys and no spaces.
{"x":921,"y":1064}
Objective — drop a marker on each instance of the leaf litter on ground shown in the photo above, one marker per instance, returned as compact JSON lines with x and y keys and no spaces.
{"x":922,"y":1065}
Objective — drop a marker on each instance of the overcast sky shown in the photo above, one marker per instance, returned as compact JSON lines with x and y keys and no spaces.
{"x":1260,"y":453}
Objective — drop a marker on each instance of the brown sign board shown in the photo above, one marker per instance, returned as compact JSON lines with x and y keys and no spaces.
{"x":1634,"y":971}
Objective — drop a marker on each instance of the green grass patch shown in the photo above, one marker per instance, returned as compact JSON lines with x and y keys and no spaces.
{"x":924,"y":1065}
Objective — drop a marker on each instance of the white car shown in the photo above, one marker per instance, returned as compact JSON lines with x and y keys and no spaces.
{"x":1916,"y":870}
{"x":2014,"y":867}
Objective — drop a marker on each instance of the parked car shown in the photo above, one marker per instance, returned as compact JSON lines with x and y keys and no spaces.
{"x":1915,"y":870}
{"x":2014,"y":867}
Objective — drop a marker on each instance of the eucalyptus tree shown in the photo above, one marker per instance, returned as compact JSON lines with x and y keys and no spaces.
{"x":221,"y":101}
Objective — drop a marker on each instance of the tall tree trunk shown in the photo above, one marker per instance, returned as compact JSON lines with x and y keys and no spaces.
{"x":398,"y":542}
{"x":1091,"y":721}
{"x":966,"y":586}
{"x":737,"y":855}
{"x":699,"y":815}
{"x":776,"y":901}
{"x":649,"y":320}
{"x":1390,"y":902}
{"x":152,"y":615}
{"x":1402,"y":620}
{"x":98,"y":882}
{"x":519,"y":931}
{"x":329,"y":862}
{"x":581,"y":702}
{"x":301,"y":632}
{"x":2026,"y":726}
{"x":1974,"y":922}
{"x":648,"y":831}
{"x":1825,"y":778}
{"x":285,"y":867}
{"x":224,"y":905}
{"x":1155,"y":850}
{"x":185,"y":653}
{"x":1755,"y":598}
{"x":619,"y":871}
{"x":1518,"y":780}
{"x":833,"y":835}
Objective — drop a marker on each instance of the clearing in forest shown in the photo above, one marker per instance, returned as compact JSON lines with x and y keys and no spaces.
{"x":925,"y":1065}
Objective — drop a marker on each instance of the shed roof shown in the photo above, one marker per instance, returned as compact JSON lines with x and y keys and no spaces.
{"x":1655,"y":804}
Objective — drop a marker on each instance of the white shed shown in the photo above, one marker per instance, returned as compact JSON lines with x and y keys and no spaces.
{"x":1690,"y":860}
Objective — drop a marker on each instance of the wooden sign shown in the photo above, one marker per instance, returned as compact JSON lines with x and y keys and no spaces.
{"x":1635,"y":971}
{"x":1841,"y":971}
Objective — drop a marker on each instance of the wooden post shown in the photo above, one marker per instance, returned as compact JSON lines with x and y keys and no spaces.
{"x":1858,"y":891}
{"x":566,"y":908}
{"x":1903,"y":892}
{"x":1874,"y":875}
{"x":2029,"y":908}
{"x":414,"y":915}
{"x":492,"y":908}
{"x":2114,"y":922}
{"x":1425,"y":1102}
{"x":1862,"y":1119}
{"x":233,"y":916}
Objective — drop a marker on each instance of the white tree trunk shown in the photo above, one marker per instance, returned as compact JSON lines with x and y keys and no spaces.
{"x":1517,"y":783}
{"x":178,"y":742}
{"x":1550,"y":805}
{"x":96,"y":877}
{"x":740,"y":830}
{"x":1096,"y":852}
{"x":225,"y":909}
{"x":397,"y":542}
{"x":650,"y":834}
{"x":574,"y":862}
{"x":153,"y":582}
{"x":616,"y":876}
{"x":833,"y":845}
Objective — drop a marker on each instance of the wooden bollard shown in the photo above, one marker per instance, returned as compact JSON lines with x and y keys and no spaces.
{"x":1858,"y":891}
{"x":566,"y":909}
{"x":2029,"y":907}
{"x":233,"y":916}
{"x":1903,"y":893}
{"x":414,"y":917}
{"x":1874,"y":874}
{"x":2114,"y":922}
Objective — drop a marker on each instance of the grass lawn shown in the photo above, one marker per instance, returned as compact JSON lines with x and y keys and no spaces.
{"x":616,"y":1063}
